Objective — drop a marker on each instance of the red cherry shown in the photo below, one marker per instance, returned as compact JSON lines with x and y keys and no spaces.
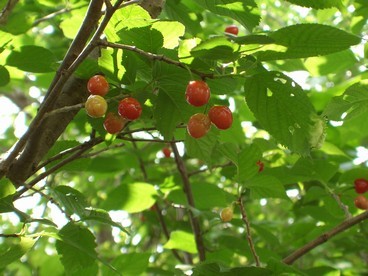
{"x":98,"y":85}
{"x":96,"y":106}
{"x":361,"y":185}
{"x":113,"y":123}
{"x":197,"y":93}
{"x":166,"y":152}
{"x":361,"y":202}
{"x":129,"y":108}
{"x":232,"y":29}
{"x":221,"y":116}
{"x":198,"y":125}
{"x":260,"y":164}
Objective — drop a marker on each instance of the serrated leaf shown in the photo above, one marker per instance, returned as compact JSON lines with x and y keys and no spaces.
{"x":73,"y":201}
{"x":247,"y":159}
{"x":351,"y":104}
{"x":317,"y":4}
{"x":145,"y":38}
{"x":265,"y":186}
{"x":216,"y":48}
{"x":315,"y":169}
{"x":131,"y":197}
{"x":4,"y":76}
{"x":306,"y":40}
{"x":20,"y":247}
{"x":100,"y":215}
{"x":76,"y":247}
{"x":182,"y":241}
{"x":32,"y":58}
{"x":284,"y":110}
{"x":171,"y":32}
{"x":245,"y":12}
{"x":202,"y":148}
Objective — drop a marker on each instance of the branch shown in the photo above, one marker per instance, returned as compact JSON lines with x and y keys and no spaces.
{"x":152,"y":56}
{"x":348,"y":223}
{"x":247,"y":225}
{"x":7,"y":10}
{"x":189,"y":194}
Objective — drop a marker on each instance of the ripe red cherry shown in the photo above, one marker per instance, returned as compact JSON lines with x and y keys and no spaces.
{"x":197,"y":93}
{"x":221,"y":116}
{"x":198,"y":125}
{"x":361,"y":202}
{"x":232,"y":29}
{"x":129,"y":108}
{"x":113,"y":123}
{"x":361,"y":185}
{"x":260,"y":164}
{"x":166,"y":152}
{"x":226,"y":214}
{"x":96,"y":106}
{"x":98,"y":85}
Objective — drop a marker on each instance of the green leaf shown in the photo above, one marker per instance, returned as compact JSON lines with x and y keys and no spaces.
{"x":74,"y":18}
{"x":247,"y":159}
{"x":214,"y":269}
{"x":131,"y":197}
{"x":171,"y":32}
{"x":144,"y":38}
{"x":72,"y":200}
{"x":32,"y":58}
{"x":130,"y":264}
{"x":216,"y":48}
{"x":100,"y":215}
{"x":4,"y":76}
{"x":284,"y":110}
{"x":133,"y":16}
{"x":76,"y":247}
{"x":182,"y":241}
{"x":351,"y":104}
{"x":202,"y":148}
{"x":6,"y":204}
{"x":279,"y":268}
{"x":245,"y":12}
{"x":306,"y":40}
{"x":206,"y":196}
{"x":265,"y":186}
{"x":6,"y":188}
{"x":253,"y":39}
{"x":317,"y":4}
{"x":20,"y":247}
{"x":315,"y":169}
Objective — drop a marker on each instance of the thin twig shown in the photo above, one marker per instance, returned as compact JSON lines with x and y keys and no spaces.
{"x":62,"y":163}
{"x":10,"y":235}
{"x":247,"y":226}
{"x":189,"y":195}
{"x":152,"y":56}
{"x":348,"y":223}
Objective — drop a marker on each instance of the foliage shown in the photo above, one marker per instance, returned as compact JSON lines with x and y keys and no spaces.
{"x":76,"y":200}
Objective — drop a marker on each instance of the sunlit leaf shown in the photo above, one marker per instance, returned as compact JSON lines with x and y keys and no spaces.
{"x":181,"y":240}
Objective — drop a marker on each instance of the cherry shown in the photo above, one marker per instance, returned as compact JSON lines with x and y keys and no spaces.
{"x":96,"y":106}
{"x":166,"y":152}
{"x":197,"y":93}
{"x":226,"y":214}
{"x":198,"y":125}
{"x":361,"y":202}
{"x":260,"y":164}
{"x":361,"y":185}
{"x":98,"y":85}
{"x":232,"y":29}
{"x":113,"y":123}
{"x":221,"y":116}
{"x":129,"y":108}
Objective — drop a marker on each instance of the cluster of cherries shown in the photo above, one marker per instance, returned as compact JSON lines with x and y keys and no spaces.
{"x":129,"y":108}
{"x":361,"y":186}
{"x":198,"y":94}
